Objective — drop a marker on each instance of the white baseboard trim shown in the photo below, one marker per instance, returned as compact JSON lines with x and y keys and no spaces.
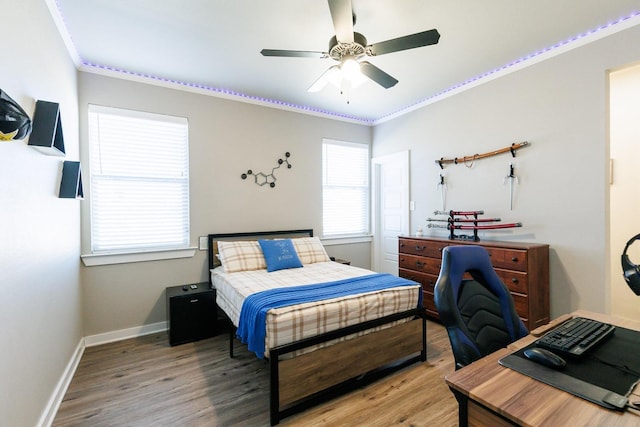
{"x":50,"y":411}
{"x":124,"y":334}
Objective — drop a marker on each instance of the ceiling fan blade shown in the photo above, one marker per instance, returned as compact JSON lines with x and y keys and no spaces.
{"x":377,"y":75}
{"x":411,"y":41}
{"x":342,"y":16}
{"x":293,"y":53}
{"x":332,"y":74}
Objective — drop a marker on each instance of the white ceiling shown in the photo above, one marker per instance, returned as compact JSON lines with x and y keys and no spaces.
{"x":217,"y":43}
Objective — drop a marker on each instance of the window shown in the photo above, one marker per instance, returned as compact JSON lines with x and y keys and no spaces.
{"x":139,"y":181}
{"x":345,"y":188}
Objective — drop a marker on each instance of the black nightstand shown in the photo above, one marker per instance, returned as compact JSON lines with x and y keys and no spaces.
{"x":191,"y":312}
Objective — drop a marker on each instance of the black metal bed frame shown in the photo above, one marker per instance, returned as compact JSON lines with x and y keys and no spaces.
{"x":275,"y":354}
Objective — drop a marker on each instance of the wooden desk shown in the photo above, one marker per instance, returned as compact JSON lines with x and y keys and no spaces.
{"x":489,"y":394}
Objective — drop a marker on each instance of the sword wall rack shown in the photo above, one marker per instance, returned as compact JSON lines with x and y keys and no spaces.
{"x":467,"y":220}
{"x":469,"y":160}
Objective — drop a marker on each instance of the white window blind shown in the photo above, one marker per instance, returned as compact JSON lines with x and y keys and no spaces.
{"x":345,"y":188}
{"x":139,"y":181}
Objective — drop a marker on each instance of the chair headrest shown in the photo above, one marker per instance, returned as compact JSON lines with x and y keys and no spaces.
{"x":461,"y":259}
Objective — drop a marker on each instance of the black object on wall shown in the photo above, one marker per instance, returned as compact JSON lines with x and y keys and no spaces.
{"x":71,"y":183}
{"x":15,"y":124}
{"x":262,"y":178}
{"x":46,"y":135}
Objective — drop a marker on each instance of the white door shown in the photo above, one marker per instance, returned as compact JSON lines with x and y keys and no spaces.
{"x":390,"y":209}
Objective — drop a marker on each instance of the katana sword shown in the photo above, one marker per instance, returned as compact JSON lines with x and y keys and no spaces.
{"x":442,"y":186}
{"x":511,"y":177}
{"x":470,"y":159}
{"x":475,"y":227}
{"x":463,"y":213}
{"x":464,"y":219}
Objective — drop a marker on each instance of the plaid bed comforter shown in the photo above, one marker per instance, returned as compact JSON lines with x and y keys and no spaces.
{"x":292,"y":323}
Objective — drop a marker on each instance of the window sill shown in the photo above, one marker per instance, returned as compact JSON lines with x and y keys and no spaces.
{"x":345,"y":240}
{"x":91,"y":260}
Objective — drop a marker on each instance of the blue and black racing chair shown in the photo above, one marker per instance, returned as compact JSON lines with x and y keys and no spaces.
{"x":478,"y":313}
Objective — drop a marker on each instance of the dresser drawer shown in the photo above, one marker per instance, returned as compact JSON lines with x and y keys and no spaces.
{"x":421,"y":247}
{"x":513,"y":280}
{"x":516,"y":281}
{"x":522,"y":306}
{"x":511,"y":259}
{"x":428,"y":281}
{"x":429,"y":304}
{"x":420,"y":264}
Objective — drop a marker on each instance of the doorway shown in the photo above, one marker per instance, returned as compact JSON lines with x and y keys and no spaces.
{"x":390,"y":211}
{"x":624,"y":176}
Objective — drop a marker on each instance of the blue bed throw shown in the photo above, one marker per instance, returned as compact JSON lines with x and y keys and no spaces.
{"x":252,"y":327}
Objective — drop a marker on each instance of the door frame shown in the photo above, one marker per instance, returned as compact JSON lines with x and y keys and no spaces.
{"x":376,"y":164}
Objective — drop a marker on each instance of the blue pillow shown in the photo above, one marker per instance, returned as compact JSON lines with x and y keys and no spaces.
{"x":279,"y":254}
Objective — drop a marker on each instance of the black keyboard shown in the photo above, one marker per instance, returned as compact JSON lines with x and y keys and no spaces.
{"x":576,"y":336}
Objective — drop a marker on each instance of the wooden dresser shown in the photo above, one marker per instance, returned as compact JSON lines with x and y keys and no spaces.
{"x":523,"y":267}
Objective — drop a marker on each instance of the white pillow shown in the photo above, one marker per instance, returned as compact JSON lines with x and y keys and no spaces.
{"x":241,"y":256}
{"x":310,"y":250}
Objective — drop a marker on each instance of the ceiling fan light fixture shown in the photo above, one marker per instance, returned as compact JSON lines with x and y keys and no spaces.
{"x":333,"y":75}
{"x":350,"y":68}
{"x":351,"y":73}
{"x":349,"y":47}
{"x":350,"y":76}
{"x":345,"y":76}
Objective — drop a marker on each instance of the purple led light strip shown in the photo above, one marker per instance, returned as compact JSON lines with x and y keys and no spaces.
{"x":227,"y":92}
{"x":516,"y":62}
{"x":347,"y":116}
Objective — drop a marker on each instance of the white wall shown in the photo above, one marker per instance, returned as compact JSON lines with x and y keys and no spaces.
{"x":561,"y":107}
{"x":40,"y":308}
{"x":225,"y":139}
{"x":625,"y":203}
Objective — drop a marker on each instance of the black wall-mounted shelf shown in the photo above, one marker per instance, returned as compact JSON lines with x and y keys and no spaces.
{"x":46,"y":135}
{"x":71,"y":183}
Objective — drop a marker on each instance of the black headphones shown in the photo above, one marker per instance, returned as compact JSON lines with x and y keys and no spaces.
{"x":631,"y":271}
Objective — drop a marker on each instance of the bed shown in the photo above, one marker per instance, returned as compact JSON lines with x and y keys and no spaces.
{"x":322,"y":325}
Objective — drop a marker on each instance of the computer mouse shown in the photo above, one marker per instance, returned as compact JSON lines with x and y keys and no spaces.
{"x":545,"y":357}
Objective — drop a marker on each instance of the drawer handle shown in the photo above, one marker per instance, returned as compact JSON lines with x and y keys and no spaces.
{"x":401,"y":245}
{"x":514,"y":280}
{"x":514,"y":259}
{"x":194,"y":300}
{"x":420,"y":264}
{"x":420,"y":248}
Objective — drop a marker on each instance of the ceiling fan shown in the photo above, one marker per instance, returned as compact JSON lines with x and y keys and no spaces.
{"x":349,"y":47}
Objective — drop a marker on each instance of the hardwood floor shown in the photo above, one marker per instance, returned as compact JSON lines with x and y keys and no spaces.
{"x":144,"y":381}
